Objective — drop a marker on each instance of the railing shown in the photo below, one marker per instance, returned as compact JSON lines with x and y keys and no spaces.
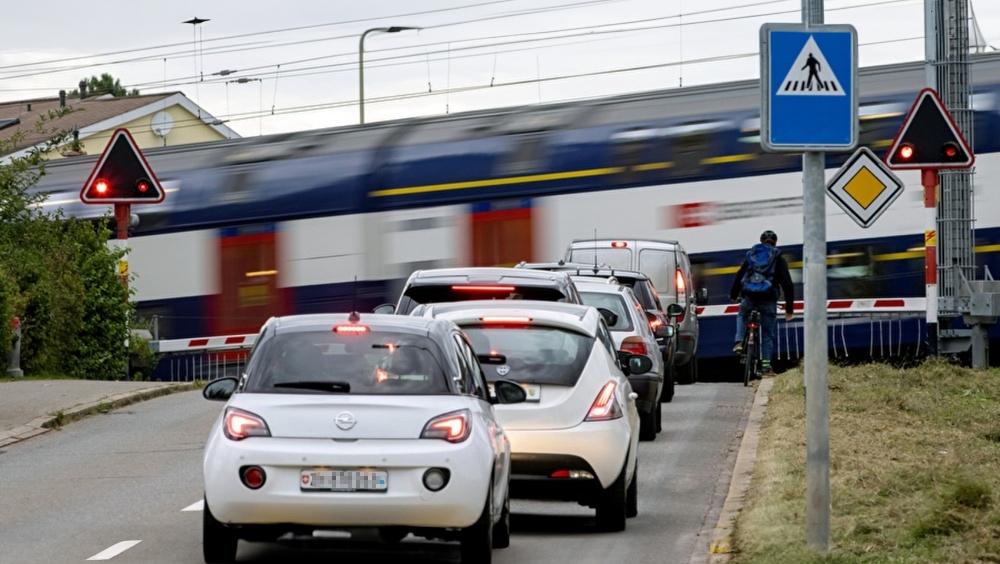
{"x":203,"y":358}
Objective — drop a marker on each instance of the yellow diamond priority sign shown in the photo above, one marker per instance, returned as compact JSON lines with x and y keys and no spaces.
{"x":864,"y":187}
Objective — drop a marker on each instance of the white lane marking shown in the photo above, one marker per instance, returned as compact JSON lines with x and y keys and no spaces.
{"x":114,"y":550}
{"x":196,"y":506}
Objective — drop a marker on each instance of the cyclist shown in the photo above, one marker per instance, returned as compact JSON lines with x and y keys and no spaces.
{"x":763,"y":272}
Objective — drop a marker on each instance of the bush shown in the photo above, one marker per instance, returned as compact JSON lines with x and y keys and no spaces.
{"x":59,"y":276}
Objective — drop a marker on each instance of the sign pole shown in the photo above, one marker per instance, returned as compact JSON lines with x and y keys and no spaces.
{"x":930,"y":178}
{"x":817,"y":394}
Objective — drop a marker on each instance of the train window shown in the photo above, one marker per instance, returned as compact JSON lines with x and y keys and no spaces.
{"x":528,"y":154}
{"x":630,"y":146}
{"x":691,"y":144}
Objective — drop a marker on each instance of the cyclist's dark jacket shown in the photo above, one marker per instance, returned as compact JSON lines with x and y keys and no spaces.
{"x":782,"y":280}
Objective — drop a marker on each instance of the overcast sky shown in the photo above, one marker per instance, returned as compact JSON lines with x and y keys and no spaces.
{"x":520,"y":40}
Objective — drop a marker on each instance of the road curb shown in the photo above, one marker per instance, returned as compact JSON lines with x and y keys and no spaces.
{"x":45,"y":423}
{"x":721,"y":545}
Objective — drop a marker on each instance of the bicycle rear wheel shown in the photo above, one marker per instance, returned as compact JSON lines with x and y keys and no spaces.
{"x":749,"y":361}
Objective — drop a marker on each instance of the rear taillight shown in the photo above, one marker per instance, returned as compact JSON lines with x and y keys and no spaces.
{"x":453,"y":427}
{"x":239,"y":424}
{"x":679,"y":278}
{"x":478,"y":288}
{"x":505,"y":320}
{"x":350,"y":329}
{"x":634,"y":345}
{"x":619,"y":244}
{"x":605,"y":406}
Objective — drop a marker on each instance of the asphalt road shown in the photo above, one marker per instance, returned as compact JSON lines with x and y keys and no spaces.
{"x":135,"y":475}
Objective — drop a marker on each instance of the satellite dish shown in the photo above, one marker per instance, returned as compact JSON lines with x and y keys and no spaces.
{"x":161,"y":123}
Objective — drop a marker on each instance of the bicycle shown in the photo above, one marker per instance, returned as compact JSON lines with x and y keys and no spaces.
{"x":751,"y":348}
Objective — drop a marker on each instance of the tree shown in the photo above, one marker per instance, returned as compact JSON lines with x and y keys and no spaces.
{"x":106,"y":84}
{"x":57,"y":274}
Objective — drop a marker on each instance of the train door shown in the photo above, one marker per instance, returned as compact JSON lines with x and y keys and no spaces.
{"x":502,"y":233}
{"x":248,"y":279}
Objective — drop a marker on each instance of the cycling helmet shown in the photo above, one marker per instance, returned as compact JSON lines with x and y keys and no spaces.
{"x":769,"y":237}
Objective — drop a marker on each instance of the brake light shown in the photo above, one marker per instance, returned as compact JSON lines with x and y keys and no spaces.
{"x":239,"y":424}
{"x":679,"y":277}
{"x":619,"y":244}
{"x":505,"y":320}
{"x":605,"y":407}
{"x":453,"y":427}
{"x":350,"y":329}
{"x":654,"y":322}
{"x":634,"y":345}
{"x":466,"y":288}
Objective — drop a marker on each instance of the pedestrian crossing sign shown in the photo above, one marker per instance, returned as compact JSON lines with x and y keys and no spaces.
{"x":808,"y":87}
{"x":864,"y":187}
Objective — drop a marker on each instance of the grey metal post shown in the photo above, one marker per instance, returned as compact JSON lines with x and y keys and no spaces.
{"x":361,"y":62}
{"x":817,"y":395}
{"x":14,"y":358}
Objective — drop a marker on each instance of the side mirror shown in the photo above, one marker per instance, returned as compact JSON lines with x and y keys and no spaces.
{"x":506,"y":392}
{"x":675,"y":310}
{"x":220,"y":390}
{"x":385,"y":308}
{"x":610,"y":317}
{"x":668,"y":331}
{"x":492,"y":358}
{"x":701,"y":298}
{"x":635,"y":363}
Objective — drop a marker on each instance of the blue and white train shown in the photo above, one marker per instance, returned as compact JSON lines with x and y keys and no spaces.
{"x":285,"y":223}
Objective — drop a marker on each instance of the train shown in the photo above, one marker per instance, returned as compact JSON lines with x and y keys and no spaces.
{"x":335,"y":219}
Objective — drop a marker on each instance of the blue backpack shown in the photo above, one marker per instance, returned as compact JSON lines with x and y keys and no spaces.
{"x":759,"y":277}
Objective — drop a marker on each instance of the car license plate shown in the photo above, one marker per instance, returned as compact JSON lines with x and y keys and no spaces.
{"x":344,"y":480}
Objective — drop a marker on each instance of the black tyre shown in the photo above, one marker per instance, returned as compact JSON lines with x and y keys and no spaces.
{"x":689,"y":372}
{"x":659,"y":419}
{"x":392,"y":535}
{"x":647,"y":425}
{"x":477,"y":539}
{"x":501,"y":530}
{"x":218,"y":542}
{"x":668,"y":388}
{"x":612,"y":509}
{"x":632,"y":495}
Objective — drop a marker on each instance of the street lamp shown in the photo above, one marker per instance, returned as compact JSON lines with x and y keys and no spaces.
{"x":361,"y":60}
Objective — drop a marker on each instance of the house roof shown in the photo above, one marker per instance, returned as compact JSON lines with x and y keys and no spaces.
{"x":88,"y":116}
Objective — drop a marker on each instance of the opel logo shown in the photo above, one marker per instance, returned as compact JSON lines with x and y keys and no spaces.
{"x":346,"y":420}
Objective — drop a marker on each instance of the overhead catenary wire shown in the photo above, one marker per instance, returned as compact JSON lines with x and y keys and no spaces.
{"x":353,"y":64}
{"x":241,"y":116}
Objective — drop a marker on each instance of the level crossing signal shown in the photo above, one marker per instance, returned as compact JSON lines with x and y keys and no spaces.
{"x":122,"y":175}
{"x":928,"y":138}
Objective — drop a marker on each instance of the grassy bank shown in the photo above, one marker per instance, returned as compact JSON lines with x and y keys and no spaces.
{"x":915,"y":469}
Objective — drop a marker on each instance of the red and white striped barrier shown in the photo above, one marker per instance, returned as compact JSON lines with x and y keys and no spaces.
{"x":836,"y":308}
{"x":223,"y":343}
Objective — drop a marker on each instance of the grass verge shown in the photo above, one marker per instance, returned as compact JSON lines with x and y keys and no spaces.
{"x":915,"y":469}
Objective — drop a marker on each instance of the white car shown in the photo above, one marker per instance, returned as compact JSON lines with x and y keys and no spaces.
{"x":354,"y":421}
{"x":631,"y":332}
{"x":576,"y":437}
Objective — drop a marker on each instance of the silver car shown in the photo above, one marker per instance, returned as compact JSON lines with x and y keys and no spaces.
{"x":631,"y":334}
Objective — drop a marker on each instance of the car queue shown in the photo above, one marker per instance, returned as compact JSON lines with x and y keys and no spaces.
{"x":425,"y":418}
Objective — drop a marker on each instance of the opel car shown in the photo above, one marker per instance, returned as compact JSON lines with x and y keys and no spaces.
{"x":349,"y":421}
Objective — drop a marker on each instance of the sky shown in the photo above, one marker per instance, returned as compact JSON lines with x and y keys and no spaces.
{"x":307,"y":77}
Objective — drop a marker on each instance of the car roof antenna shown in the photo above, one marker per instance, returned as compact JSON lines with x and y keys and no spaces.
{"x":354,"y":317}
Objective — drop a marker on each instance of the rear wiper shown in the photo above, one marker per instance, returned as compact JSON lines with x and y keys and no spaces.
{"x":322,"y":385}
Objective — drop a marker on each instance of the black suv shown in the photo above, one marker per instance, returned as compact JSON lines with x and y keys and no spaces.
{"x":462,"y":284}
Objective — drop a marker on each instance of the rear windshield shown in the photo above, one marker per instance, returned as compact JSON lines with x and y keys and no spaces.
{"x":614,"y":258}
{"x":535,"y":355}
{"x":613,"y":302}
{"x":416,"y":295}
{"x":328,"y":362}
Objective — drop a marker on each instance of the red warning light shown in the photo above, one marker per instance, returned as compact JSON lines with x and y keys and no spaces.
{"x":142,"y":186}
{"x":906,"y":152}
{"x":950,"y":151}
{"x":101,"y":186}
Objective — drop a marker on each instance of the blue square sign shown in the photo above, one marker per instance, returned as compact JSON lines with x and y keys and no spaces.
{"x":809,"y":95}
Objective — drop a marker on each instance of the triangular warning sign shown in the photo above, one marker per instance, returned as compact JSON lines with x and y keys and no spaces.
{"x":810,"y":75}
{"x":122,"y":175}
{"x":929,"y":138}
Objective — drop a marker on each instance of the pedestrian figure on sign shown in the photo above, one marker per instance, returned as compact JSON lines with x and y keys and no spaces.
{"x":814,"y":67}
